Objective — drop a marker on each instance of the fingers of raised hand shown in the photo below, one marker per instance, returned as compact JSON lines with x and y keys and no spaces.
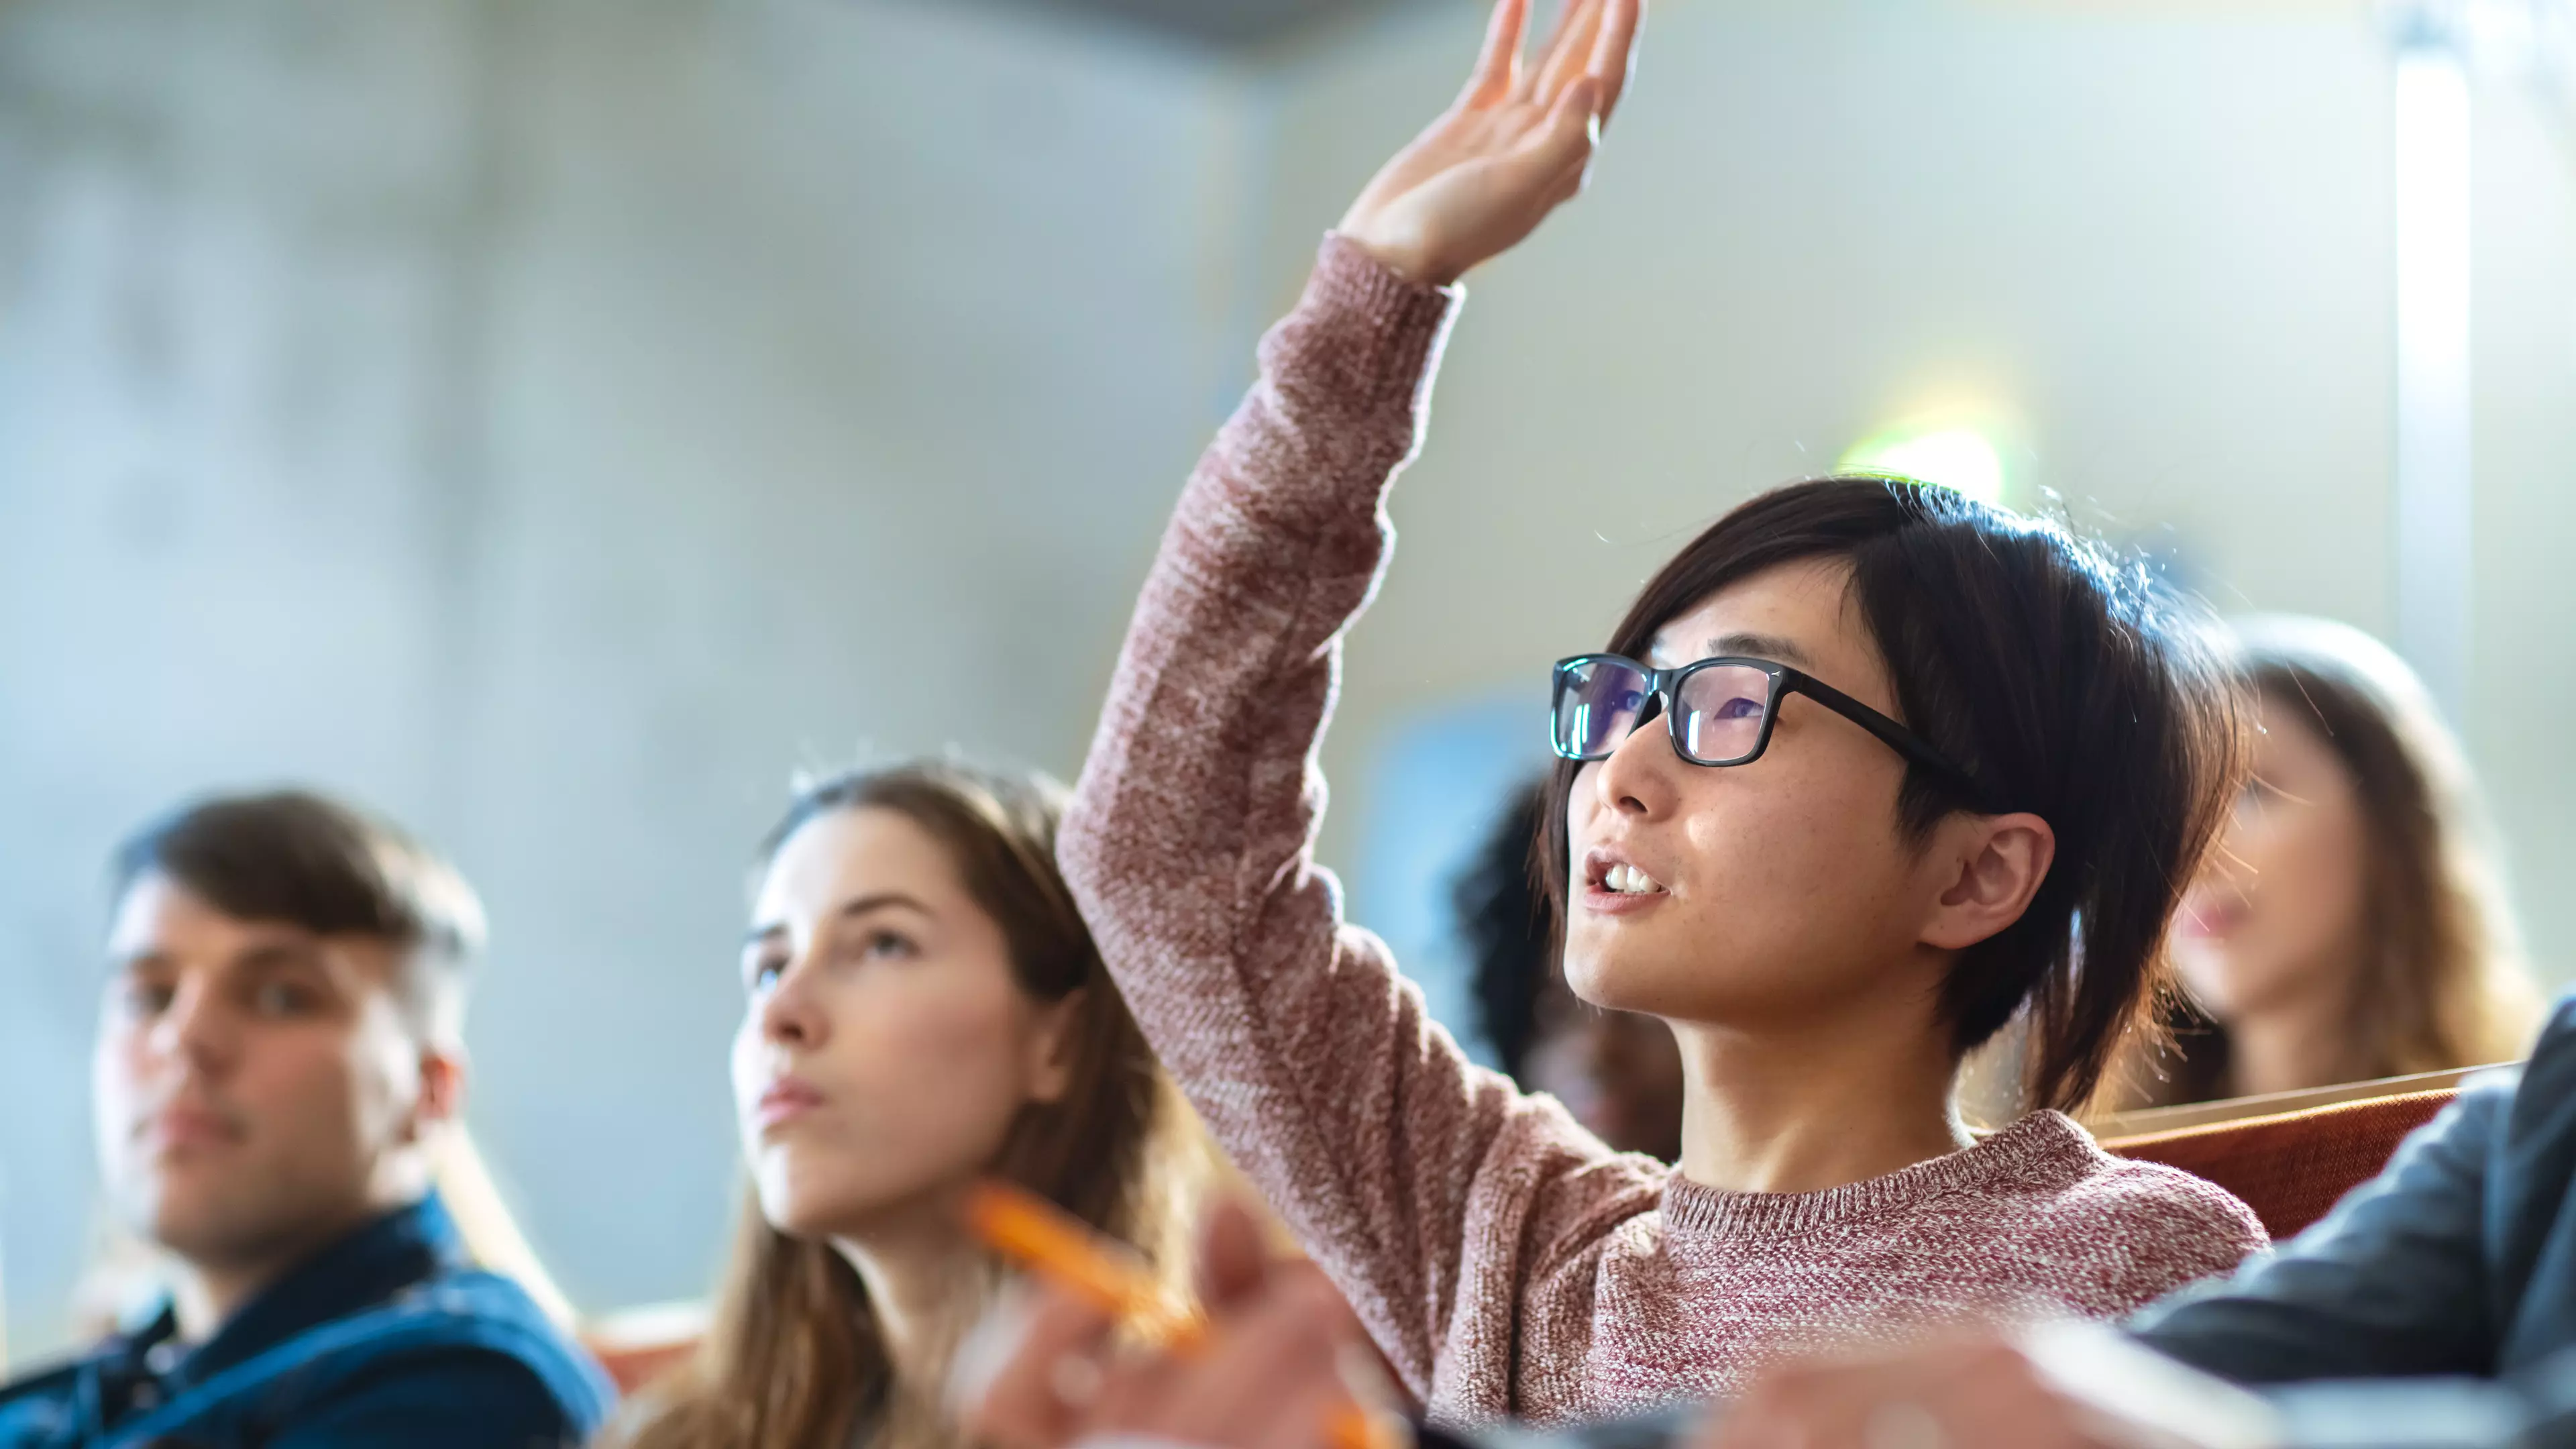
{"x":1561,"y":149}
{"x":1517,"y":145}
{"x":1614,"y":53}
{"x":1569,"y":53}
{"x":1569,"y":15}
{"x":1498,"y":65}
{"x":1599,"y":44}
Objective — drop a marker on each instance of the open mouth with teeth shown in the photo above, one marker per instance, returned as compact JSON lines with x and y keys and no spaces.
{"x":1623,"y":880}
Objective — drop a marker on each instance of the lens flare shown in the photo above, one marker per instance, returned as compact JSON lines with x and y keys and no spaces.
{"x":1958,"y":458}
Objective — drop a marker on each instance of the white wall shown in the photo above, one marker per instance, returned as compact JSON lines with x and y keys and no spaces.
{"x":553,"y":420}
{"x":555,"y":423}
{"x":226,"y":295}
{"x":2161,"y":246}
{"x":806,"y":436}
{"x":2523,"y":694}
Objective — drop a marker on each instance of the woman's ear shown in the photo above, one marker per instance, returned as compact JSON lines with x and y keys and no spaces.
{"x":1998,"y":864}
{"x":1052,"y":1046}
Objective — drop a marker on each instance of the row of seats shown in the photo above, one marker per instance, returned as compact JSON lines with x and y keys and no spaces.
{"x":2291,"y":1157}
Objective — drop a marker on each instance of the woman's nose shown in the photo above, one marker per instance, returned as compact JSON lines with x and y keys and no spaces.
{"x":791,"y":1015}
{"x":1634,"y":778}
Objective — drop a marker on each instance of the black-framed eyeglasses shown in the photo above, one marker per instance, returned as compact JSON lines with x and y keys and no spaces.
{"x":1718,"y":711}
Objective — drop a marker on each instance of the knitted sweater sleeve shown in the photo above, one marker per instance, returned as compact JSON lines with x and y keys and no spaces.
{"x":1189,"y":843}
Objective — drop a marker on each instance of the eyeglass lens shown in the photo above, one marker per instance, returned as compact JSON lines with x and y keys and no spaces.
{"x":1718,"y":719}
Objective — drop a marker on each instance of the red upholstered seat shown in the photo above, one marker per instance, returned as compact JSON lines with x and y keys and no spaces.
{"x":634,"y":1365}
{"x":640,"y":1345}
{"x":2291,"y":1167}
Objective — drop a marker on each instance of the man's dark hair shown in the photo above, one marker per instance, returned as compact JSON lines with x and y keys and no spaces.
{"x":2070,"y":685}
{"x":306,"y":860}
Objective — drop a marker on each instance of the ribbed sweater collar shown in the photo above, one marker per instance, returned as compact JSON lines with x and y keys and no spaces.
{"x":2042,"y":1149}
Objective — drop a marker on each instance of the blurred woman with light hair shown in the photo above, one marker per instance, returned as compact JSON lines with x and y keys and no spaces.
{"x":2354,"y":923}
{"x":922,"y":1008}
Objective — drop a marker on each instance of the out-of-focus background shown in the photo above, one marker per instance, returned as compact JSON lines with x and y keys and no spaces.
{"x":555,"y":421}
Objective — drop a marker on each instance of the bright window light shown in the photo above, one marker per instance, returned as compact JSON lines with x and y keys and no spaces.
{"x":1958,"y":458}
{"x":2432,"y":126}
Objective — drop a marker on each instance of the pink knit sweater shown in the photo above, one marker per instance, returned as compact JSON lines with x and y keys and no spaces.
{"x":1506,"y":1260}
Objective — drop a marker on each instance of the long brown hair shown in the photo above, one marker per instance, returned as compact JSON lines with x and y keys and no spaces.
{"x":2442,"y":982}
{"x":791,"y":1358}
{"x":2069,"y":682}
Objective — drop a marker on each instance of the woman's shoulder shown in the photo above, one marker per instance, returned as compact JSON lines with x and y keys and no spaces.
{"x":2157,"y":1226}
{"x":1581,"y":1193}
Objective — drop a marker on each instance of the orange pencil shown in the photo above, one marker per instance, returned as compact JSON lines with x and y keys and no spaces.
{"x":1048,"y":1241}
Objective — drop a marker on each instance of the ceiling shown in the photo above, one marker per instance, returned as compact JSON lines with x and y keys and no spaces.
{"x":1217,"y":22}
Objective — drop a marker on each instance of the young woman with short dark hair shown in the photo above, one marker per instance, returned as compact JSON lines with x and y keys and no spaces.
{"x":1866,"y":772}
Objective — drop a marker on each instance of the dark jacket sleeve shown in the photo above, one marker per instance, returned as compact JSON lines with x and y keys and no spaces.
{"x":2456,"y":1260}
{"x":461,"y":1397}
{"x":2392,"y":1282}
{"x":2531,"y":1410}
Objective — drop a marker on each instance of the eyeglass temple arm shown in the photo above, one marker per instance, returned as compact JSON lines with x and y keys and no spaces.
{"x":1896,"y":736}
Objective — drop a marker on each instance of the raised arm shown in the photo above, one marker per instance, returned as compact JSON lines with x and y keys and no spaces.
{"x":1190,"y":839}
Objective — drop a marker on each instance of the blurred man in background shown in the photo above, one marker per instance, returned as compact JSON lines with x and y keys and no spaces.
{"x":279,"y":1054}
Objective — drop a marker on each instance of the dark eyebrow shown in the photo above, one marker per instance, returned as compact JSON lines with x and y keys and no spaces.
{"x":1761,"y":646}
{"x":863,"y":905}
{"x":257,"y":957}
{"x":855,"y":906}
{"x":277,"y":953}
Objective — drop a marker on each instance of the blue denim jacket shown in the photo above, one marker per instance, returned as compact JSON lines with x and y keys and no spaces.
{"x":2457,"y":1263}
{"x":386,"y":1338}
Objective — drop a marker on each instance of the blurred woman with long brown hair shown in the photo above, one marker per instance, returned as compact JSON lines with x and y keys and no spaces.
{"x":2353,"y":925}
{"x":924,"y":1007}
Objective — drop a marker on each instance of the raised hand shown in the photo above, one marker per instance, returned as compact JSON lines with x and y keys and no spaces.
{"x":1516,"y":145}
